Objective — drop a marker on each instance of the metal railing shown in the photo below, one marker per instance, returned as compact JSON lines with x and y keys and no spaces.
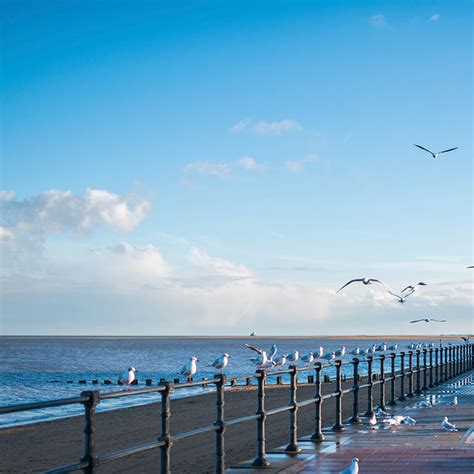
{"x":437,"y":364}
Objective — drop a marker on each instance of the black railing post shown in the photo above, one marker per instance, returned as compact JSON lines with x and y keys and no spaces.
{"x":450,"y":362}
{"x":393,"y":379}
{"x":442,"y":360}
{"x":338,"y":426}
{"x":418,"y":373}
{"x":292,"y":447}
{"x":463,"y":363}
{"x":89,"y":430}
{"x":382,"y":385}
{"x":220,"y":426}
{"x":370,"y":388}
{"x":355,"y":392}
{"x":431,"y":385}
{"x":458,"y":359}
{"x":261,"y":459}
{"x":446,"y":365}
{"x":410,"y":374}
{"x":165,"y":436}
{"x":437,"y":361}
{"x":455,"y":361}
{"x":318,"y":433}
{"x":402,"y":378}
{"x":425,"y":372}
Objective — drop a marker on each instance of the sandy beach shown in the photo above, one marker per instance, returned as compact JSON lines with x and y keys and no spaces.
{"x":40,"y":446}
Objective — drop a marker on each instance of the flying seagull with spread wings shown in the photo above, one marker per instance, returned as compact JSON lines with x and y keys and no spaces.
{"x":365,"y":281}
{"x":470,"y":266}
{"x":437,"y":153}
{"x":428,"y":320}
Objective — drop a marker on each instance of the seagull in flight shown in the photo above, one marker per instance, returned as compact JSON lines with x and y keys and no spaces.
{"x":365,"y":281}
{"x":470,"y":266}
{"x":428,"y":320}
{"x":412,"y":288}
{"x":436,"y":154}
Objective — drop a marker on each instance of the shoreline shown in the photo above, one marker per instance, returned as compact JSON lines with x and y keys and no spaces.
{"x":359,"y":336}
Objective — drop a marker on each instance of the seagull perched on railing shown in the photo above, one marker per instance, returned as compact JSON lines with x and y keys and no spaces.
{"x":128,"y":377}
{"x":263,"y":360}
{"x":393,"y":347}
{"x":190,"y":368}
{"x":340,"y":352}
{"x":355,"y":352}
{"x":381,"y":347}
{"x":320,"y":353}
{"x":365,"y":281}
{"x":221,"y":362}
{"x":307,"y":358}
{"x":280,"y":361}
{"x":353,"y":468}
{"x":428,"y":320}
{"x":293,"y":357}
{"x":329,"y":356}
{"x":437,"y":153}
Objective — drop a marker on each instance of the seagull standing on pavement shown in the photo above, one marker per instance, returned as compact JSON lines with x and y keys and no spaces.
{"x":373,"y":421}
{"x":353,"y":468}
{"x":365,"y":281}
{"x":436,"y":153}
{"x":447,"y":425}
{"x":453,"y":402}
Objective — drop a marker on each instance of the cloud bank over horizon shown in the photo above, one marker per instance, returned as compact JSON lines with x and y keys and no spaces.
{"x":126,"y":288}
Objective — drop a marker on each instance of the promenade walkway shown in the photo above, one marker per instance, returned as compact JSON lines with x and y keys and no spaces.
{"x":423,"y":448}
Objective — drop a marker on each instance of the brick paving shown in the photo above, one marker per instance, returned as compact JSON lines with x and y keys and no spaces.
{"x":423,"y":448}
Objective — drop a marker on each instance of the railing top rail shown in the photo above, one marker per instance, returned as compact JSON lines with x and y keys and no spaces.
{"x":43,"y":404}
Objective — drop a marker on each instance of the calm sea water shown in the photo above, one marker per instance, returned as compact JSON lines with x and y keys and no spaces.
{"x":35,"y":369}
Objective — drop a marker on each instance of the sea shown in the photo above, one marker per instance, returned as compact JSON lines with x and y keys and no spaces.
{"x":45,"y":368}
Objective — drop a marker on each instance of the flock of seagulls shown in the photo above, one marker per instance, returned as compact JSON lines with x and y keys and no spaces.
{"x":401,"y":297}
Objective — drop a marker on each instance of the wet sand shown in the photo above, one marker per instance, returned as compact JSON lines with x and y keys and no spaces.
{"x":37,"y":447}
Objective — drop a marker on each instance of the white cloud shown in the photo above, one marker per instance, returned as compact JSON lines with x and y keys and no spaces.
{"x":28,"y":223}
{"x":7,"y":195}
{"x":57,"y":211}
{"x":219,"y":169}
{"x":130,"y":289}
{"x":223,"y":169}
{"x":217,"y":265}
{"x":6,"y":235}
{"x":378,"y":21}
{"x":298,"y":166}
{"x":434,"y":17}
{"x":249,"y":164}
{"x":262,"y":127}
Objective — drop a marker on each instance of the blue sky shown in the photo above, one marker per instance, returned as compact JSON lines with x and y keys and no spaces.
{"x":223,"y":167}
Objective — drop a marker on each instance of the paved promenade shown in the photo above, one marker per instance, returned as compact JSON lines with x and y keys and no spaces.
{"x":425,"y":447}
